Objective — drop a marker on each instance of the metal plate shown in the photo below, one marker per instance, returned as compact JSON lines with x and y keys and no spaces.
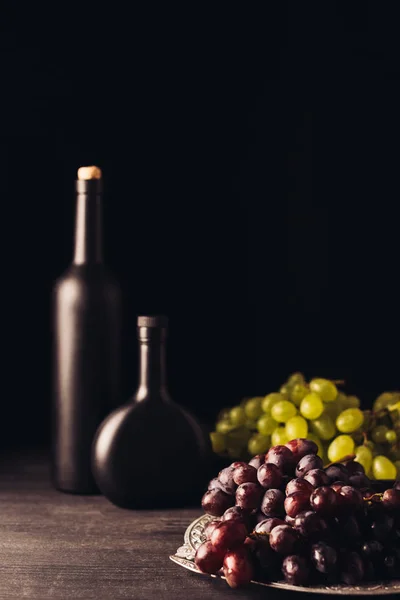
{"x":194,"y":536}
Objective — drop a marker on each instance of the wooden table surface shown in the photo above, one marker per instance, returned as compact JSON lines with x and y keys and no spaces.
{"x":60,"y":546}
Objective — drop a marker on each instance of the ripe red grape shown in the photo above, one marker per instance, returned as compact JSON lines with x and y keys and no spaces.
{"x":337,"y":472}
{"x":215,"y":502}
{"x":323,"y":557}
{"x":324,"y":501}
{"x":225,"y":477}
{"x":348,"y":529}
{"x":354,"y":468}
{"x":238,"y":567}
{"x":215,"y":484}
{"x":351,"y":568}
{"x":372,"y":549}
{"x":290,"y":520}
{"x":317,"y":477}
{"x":269,"y":476}
{"x":244,"y":473}
{"x":257,"y":461}
{"x":311,"y":525}
{"x":350,"y":499}
{"x":307,"y":463}
{"x":283,"y":539}
{"x":298,"y":485}
{"x":272,"y":503}
{"x":267,"y":525}
{"x":208,"y":558}
{"x":296,"y":503}
{"x":391,"y":499}
{"x":295,"y":570}
{"x":396,"y":485}
{"x":228,"y":535}
{"x":235,"y":513}
{"x":382,"y":527}
{"x":248,"y":496}
{"x":359,"y":480}
{"x":337,"y":486}
{"x":300,"y":447}
{"x":282,"y":457}
{"x":210,"y":528}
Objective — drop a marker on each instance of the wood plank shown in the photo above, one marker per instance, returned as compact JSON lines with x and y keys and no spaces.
{"x":61,"y":546}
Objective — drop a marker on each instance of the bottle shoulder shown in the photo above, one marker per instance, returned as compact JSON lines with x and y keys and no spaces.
{"x":78,"y":277}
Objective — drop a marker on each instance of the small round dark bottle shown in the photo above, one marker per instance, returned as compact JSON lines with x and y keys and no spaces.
{"x":151,"y":452}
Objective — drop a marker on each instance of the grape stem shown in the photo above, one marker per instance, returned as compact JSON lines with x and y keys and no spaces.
{"x":344,"y":459}
{"x":376,"y":495}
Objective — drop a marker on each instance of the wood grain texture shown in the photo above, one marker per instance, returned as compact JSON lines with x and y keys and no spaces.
{"x":60,"y":546}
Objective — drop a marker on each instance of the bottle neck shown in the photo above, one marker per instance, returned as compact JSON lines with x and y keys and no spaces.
{"x":88,"y":224}
{"x":152,"y":361}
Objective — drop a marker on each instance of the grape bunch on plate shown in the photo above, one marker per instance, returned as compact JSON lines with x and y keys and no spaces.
{"x":319,"y":411}
{"x":282,"y":515}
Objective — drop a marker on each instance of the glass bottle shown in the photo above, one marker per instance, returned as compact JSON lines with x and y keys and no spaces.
{"x":86,"y":327}
{"x":151,"y":452}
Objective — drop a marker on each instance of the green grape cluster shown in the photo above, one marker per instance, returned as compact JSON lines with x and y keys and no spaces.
{"x":317,"y":410}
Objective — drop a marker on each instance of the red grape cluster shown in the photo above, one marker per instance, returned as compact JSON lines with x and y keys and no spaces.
{"x":283,"y":514}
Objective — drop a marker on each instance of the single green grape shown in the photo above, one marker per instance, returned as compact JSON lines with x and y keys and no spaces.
{"x":340,"y":447}
{"x":285,"y":391}
{"x":350,"y":420}
{"x":358,"y":436}
{"x":364,"y":457}
{"x":223,"y":414}
{"x":370,"y":444}
{"x":394,"y":453}
{"x":239,"y":436}
{"x":379,"y":434}
{"x":217,"y":442}
{"x":294,"y":379}
{"x":384,"y":400}
{"x":379,"y":449}
{"x":251,"y":425}
{"x":315,"y":438}
{"x":353,"y":402}
{"x":283,"y":411}
{"x":279,"y":437}
{"x":369,"y":420}
{"x":266,"y":425}
{"x":391,"y":436}
{"x":341,"y":400}
{"x":383,"y":468}
{"x":224,"y":426}
{"x":237,"y":415}
{"x":332,"y":410}
{"x":296,"y":427}
{"x":253,"y":408}
{"x":324,"y":427}
{"x":297,"y":393}
{"x":325,"y":389}
{"x":270,"y":400}
{"x":258,"y":444}
{"x":311,"y":406}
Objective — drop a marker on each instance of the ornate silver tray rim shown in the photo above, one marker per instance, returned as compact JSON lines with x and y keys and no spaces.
{"x":194,"y":536}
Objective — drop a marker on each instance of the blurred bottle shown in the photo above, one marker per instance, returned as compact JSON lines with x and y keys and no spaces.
{"x":151,"y":452}
{"x":86,"y":324}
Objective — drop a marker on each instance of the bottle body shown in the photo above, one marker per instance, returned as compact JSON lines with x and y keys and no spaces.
{"x":86,"y":325}
{"x":150,"y":453}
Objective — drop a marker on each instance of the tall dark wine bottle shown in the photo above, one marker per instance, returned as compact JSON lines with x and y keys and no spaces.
{"x":151,"y":452}
{"x":86,"y":325}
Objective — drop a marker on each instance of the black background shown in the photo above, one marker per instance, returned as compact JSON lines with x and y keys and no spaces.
{"x":250,"y":156}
